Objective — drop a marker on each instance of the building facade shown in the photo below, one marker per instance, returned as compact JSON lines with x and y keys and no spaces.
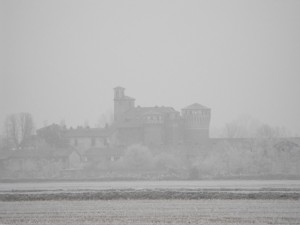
{"x":158,"y":125}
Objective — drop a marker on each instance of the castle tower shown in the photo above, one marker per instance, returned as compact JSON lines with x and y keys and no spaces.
{"x":196,"y":119}
{"x":122,"y":103}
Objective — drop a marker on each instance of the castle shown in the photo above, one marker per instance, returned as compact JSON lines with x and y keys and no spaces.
{"x":154,"y":126}
{"x":150,"y":126}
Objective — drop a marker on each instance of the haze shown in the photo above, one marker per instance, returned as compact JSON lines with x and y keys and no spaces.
{"x":60,"y":60}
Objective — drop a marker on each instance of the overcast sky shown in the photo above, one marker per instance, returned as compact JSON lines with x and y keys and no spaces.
{"x":60,"y":60}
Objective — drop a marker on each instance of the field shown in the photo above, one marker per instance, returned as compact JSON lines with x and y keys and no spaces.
{"x":171,"y":202}
{"x":201,"y":184}
{"x":151,"y":212}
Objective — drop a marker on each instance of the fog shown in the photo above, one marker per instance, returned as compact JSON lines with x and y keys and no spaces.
{"x":149,"y":112}
{"x":215,"y":85}
{"x":61,"y":59}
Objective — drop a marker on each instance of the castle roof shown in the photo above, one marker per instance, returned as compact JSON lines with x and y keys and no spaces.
{"x":134,"y":116}
{"x":196,"y":106}
{"x":140,"y":111}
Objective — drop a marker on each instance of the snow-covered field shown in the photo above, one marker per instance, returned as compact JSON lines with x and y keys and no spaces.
{"x":151,"y":212}
{"x":202,"y":184}
{"x":173,"y":202}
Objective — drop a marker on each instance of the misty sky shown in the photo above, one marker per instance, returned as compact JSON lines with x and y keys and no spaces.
{"x":61,"y":59}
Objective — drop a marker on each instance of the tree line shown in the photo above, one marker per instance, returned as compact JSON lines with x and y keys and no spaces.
{"x":18,"y":129}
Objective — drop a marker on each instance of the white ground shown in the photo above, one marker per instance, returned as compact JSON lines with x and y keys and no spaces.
{"x":151,"y":212}
{"x":205,"y":184}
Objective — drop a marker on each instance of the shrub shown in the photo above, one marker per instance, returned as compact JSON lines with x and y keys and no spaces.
{"x":137,"y":157}
{"x":167,"y":162}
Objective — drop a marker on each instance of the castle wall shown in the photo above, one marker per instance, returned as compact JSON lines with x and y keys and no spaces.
{"x":196,"y":124}
{"x":173,"y":132}
{"x":154,"y":135}
{"x":160,"y":125}
{"x":121,"y":106}
{"x":194,"y":136}
{"x":129,"y":136}
{"x":82,"y":144}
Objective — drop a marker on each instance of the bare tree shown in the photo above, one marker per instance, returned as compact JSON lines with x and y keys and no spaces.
{"x":243,"y":126}
{"x":53,"y":135}
{"x":11,"y":130}
{"x":248,"y":127}
{"x":232,"y":130}
{"x":26,"y":125}
{"x":266,"y":131}
{"x":18,"y":128}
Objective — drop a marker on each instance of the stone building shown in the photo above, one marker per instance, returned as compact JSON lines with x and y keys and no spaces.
{"x":84,"y":138}
{"x":150,"y":126}
{"x":158,"y":125}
